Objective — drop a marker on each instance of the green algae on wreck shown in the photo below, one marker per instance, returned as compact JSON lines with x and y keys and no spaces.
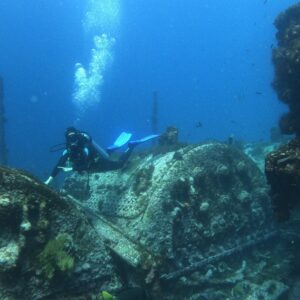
{"x":55,"y":257}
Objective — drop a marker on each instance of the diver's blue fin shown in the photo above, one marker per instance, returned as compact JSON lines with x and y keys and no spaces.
{"x":142,"y":140}
{"x":122,"y":139}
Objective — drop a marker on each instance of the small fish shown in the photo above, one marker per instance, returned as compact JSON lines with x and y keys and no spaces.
{"x":199,"y":125}
{"x":265,"y":2}
{"x":272,"y":45}
{"x":258,"y":93}
{"x":34,"y":99}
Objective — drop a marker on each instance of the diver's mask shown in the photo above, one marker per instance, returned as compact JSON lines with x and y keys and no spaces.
{"x":73,"y":144}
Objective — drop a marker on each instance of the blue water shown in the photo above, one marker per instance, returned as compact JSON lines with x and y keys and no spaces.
{"x":207,"y":60}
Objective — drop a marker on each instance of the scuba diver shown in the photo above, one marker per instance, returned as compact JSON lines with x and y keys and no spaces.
{"x":83,"y":154}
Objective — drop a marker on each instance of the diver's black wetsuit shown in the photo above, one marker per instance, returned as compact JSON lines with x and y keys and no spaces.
{"x":82,"y":154}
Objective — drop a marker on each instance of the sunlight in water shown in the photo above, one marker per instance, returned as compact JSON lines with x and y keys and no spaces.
{"x":102,"y":21}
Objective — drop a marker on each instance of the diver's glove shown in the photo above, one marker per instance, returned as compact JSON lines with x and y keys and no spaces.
{"x":49,"y":180}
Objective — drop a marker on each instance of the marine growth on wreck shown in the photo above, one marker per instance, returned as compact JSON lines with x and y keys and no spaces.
{"x":209,"y":220}
{"x":283,"y":165}
{"x":178,"y":224}
{"x":286,"y":60}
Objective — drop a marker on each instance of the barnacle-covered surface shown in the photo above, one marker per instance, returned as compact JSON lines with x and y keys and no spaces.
{"x":286,"y":59}
{"x":47,"y":245}
{"x":195,"y":219}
